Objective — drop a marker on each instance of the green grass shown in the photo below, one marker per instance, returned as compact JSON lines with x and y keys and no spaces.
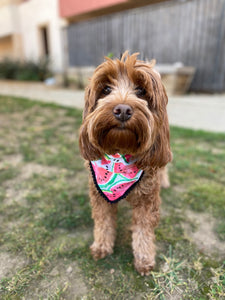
{"x":7,"y":173}
{"x":46,"y":217}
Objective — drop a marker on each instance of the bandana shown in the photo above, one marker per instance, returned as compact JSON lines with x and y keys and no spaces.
{"x":115,"y":176}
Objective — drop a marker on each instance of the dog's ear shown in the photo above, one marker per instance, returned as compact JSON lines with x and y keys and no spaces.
{"x":90,"y":99}
{"x":159,"y":153}
{"x":87,"y":150}
{"x":86,"y":101}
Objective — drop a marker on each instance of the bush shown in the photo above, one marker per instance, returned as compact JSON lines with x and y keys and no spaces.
{"x":28,"y":70}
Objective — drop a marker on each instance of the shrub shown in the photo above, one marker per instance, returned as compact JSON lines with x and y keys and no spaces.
{"x":27,"y":70}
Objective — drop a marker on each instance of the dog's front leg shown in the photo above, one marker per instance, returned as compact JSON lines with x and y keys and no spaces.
{"x":104,"y":215}
{"x":145,"y":219}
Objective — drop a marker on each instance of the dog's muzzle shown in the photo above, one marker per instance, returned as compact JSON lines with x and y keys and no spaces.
{"x":122,"y":112}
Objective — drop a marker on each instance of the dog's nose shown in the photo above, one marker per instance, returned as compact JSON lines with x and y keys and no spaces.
{"x":122,"y":112}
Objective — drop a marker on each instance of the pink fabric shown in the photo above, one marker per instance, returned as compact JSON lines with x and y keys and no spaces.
{"x":115,"y":175}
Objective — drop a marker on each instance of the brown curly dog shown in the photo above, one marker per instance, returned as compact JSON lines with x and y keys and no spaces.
{"x":124,"y":138}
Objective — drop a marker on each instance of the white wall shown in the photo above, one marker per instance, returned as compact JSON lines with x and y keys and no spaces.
{"x":7,"y":20}
{"x":33,"y":14}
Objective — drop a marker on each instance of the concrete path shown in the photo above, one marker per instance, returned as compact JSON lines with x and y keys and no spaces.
{"x":206,"y":112}
{"x":43,"y":93}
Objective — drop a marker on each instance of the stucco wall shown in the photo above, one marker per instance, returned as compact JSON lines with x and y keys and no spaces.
{"x":8,"y":20}
{"x":6,"y":47}
{"x":33,"y":15}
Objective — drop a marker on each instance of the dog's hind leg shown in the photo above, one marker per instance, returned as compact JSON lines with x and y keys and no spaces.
{"x":164,"y":178}
{"x":104,"y":215}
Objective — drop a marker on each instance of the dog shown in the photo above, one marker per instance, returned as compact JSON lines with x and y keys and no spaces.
{"x":125,"y":140}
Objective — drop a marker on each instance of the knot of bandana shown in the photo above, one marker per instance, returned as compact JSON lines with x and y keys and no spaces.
{"x":115,"y":175}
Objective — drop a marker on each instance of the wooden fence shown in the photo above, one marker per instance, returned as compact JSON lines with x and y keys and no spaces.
{"x":187,"y":31}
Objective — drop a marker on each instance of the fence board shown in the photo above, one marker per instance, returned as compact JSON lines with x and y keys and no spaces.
{"x":191,"y":31}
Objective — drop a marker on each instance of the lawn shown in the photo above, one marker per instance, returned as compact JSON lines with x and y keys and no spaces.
{"x":46,"y":225}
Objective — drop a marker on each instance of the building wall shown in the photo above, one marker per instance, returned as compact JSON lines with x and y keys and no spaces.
{"x":9,"y":2}
{"x":33,"y":15}
{"x":10,"y":38}
{"x":9,"y":22}
{"x":6,"y":47}
{"x":20,"y":22}
{"x":191,"y":32}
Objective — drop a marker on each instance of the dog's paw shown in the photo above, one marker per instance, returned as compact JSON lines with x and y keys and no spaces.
{"x":143,"y":267}
{"x":99,"y":251}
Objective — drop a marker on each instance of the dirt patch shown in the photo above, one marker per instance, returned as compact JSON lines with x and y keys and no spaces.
{"x":9,"y":264}
{"x":31,"y":168}
{"x":217,"y":151}
{"x":15,"y":191}
{"x":16,"y":195}
{"x":12,"y":160}
{"x":64,"y":241}
{"x":180,"y":189}
{"x":37,"y":111}
{"x":204,"y":236}
{"x":64,"y":278}
{"x":80,"y":181}
{"x":209,"y":148}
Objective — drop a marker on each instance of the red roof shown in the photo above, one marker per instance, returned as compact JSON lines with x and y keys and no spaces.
{"x":70,"y":8}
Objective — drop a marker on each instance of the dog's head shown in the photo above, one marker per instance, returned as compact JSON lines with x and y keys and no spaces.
{"x":125,"y":112}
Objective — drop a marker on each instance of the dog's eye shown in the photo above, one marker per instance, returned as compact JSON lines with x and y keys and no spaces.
{"x":140,"y":92}
{"x":106,"y":90}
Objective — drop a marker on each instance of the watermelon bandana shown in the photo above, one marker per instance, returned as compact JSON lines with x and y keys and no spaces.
{"x":115,"y":176}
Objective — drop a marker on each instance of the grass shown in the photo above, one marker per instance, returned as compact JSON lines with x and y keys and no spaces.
{"x":46,"y":225}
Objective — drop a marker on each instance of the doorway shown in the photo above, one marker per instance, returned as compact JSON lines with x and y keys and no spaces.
{"x":44,"y":39}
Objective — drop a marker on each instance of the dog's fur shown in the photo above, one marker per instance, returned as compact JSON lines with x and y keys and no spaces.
{"x":145,"y":136}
